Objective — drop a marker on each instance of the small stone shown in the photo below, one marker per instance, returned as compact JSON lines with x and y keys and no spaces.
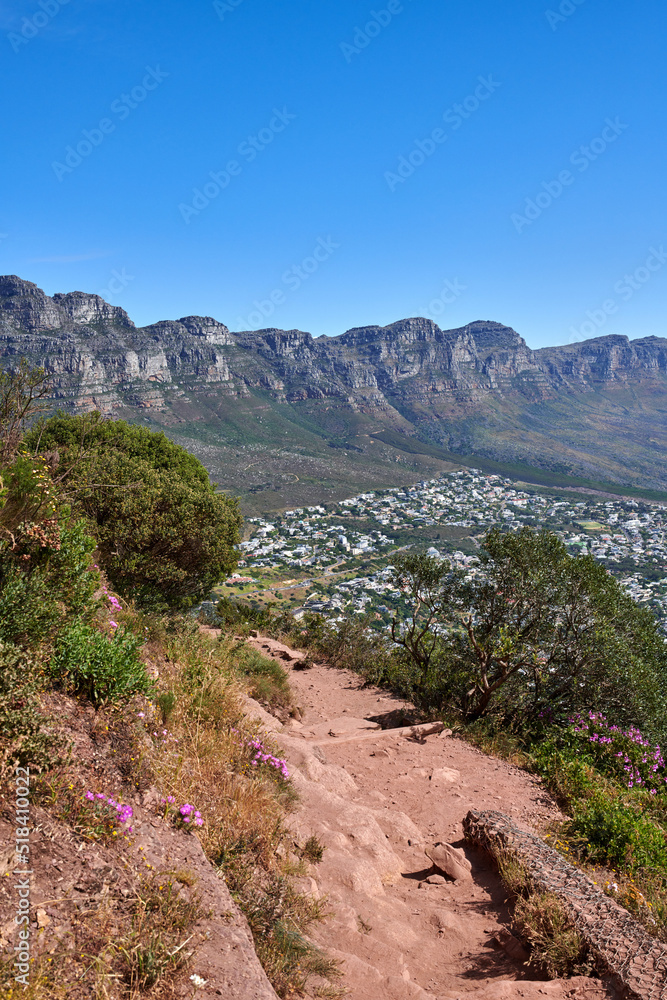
{"x":42,"y":919}
{"x":436,"y":880}
{"x":511,"y":946}
{"x":445,"y":776}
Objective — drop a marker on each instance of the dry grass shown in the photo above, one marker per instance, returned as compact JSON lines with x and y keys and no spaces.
{"x":206,"y":758}
{"x":557,"y":949}
{"x":119,"y":949}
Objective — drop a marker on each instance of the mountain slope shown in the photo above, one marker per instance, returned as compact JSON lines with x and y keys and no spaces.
{"x":372,"y":406}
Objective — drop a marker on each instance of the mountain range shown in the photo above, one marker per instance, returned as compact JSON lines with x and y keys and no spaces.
{"x":283,"y":417}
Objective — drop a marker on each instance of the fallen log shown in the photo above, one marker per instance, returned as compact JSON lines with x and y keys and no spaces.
{"x":424,"y":729}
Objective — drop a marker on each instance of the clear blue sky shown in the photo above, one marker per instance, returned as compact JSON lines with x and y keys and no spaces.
{"x":181,"y":89}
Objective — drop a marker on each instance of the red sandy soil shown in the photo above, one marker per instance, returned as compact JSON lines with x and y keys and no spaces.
{"x":376,"y":803}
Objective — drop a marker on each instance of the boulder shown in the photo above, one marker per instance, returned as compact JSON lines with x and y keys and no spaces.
{"x":451,"y":861}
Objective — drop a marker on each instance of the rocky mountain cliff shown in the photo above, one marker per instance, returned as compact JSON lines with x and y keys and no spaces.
{"x":593,"y":409}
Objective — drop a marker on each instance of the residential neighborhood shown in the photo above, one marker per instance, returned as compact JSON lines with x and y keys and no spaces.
{"x":337,"y":558}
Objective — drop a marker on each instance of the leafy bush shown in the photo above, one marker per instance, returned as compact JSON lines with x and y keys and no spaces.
{"x":102,"y":669}
{"x":240,"y":618}
{"x":23,"y":736}
{"x":165,"y":536}
{"x":535,"y":630}
{"x":40,"y":593}
{"x":46,"y":575}
{"x":625,"y":755}
{"x":617,"y":834}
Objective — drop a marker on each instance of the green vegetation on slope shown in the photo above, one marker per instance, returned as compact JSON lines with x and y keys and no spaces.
{"x":155,"y":701}
{"x":513,"y":470}
{"x":163,"y":533}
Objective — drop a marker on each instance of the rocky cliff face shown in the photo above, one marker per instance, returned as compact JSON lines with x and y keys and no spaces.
{"x":98,"y":356}
{"x":447,"y":385}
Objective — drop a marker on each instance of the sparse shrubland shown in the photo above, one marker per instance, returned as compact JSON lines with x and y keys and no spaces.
{"x":86,"y":507}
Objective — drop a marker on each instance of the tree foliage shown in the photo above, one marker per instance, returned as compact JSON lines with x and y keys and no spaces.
{"x":164,"y":533}
{"x":20,"y":393}
{"x":534,"y":631}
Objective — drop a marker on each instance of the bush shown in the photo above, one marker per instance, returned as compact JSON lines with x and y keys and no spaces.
{"x":46,"y":576}
{"x":625,"y":755}
{"x":268,"y":680}
{"x":165,"y":535}
{"x":23,"y":737}
{"x":102,"y":669}
{"x":616,"y":834}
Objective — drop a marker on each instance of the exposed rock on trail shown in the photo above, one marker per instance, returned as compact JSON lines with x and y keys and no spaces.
{"x":415,"y":909}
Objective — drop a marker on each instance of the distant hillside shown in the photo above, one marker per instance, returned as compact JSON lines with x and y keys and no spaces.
{"x":284,"y":418}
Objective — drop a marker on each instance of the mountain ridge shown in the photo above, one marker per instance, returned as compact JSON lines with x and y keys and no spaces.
{"x":593,"y":409}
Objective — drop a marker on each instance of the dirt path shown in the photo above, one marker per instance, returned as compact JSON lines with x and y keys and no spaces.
{"x":376,"y":803}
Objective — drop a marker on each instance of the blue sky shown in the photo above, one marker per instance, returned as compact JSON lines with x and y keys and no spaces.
{"x":323,"y":165}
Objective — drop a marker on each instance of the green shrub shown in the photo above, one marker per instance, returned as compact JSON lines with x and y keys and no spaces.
{"x":165,"y":535}
{"x":239,"y":617}
{"x":39,"y":595}
{"x":101,"y":668}
{"x":23,"y":737}
{"x":616,"y":834}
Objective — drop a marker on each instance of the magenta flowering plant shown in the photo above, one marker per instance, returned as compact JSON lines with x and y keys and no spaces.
{"x":625,"y":754}
{"x":112,"y":815}
{"x":260,"y":757}
{"x":184,"y":816}
{"x":112,"y":599}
